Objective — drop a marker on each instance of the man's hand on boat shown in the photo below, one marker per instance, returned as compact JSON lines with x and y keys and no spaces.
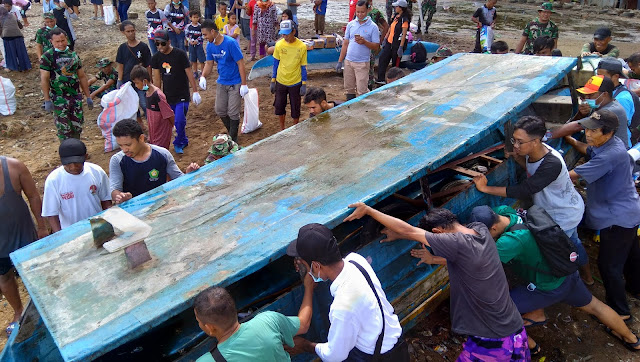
{"x":121,"y":197}
{"x":481,"y":182}
{"x":426,"y":257}
{"x":192,"y":167}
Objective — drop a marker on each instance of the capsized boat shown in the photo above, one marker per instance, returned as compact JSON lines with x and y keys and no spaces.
{"x":416,"y":140}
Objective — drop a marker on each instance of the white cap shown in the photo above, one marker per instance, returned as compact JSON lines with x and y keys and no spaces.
{"x":400,"y":3}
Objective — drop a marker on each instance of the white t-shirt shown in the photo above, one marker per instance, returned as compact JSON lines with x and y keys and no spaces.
{"x":356,"y":320}
{"x":75,"y":197}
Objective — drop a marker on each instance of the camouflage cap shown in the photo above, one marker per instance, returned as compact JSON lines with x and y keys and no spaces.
{"x":103,"y":62}
{"x":48,"y":15}
{"x":546,"y":7}
{"x":443,"y":52}
{"x":222,"y":146}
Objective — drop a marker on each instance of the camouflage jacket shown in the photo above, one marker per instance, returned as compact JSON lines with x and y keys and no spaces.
{"x":535,"y":29}
{"x":63,"y":67}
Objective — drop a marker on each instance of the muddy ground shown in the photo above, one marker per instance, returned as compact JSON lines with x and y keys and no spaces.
{"x":29,"y":135}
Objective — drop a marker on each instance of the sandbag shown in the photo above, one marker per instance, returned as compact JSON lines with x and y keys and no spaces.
{"x":251,"y":120}
{"x":109,"y":15}
{"x":7,"y":97}
{"x":117,"y":105}
{"x":486,"y":38}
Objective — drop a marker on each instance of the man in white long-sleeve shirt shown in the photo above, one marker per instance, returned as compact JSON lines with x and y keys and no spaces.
{"x":355,"y":314}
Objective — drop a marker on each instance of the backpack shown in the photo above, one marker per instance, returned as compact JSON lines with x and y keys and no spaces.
{"x":557,"y":249}
{"x":635,"y":119}
{"x":418,"y":53}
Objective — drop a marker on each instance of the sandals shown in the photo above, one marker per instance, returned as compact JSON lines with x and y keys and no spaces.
{"x":535,"y":350}
{"x":14,"y":325}
{"x":534,"y":323}
{"x":630,"y":346}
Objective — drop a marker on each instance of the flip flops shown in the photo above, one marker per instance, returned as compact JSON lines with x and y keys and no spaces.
{"x":630,"y":346}
{"x":14,"y":325}
{"x":535,"y":350}
{"x":534,"y":323}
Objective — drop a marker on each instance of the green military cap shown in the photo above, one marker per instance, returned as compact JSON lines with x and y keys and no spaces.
{"x":443,"y":52}
{"x":48,"y":15}
{"x":103,"y":62}
{"x":546,"y":7}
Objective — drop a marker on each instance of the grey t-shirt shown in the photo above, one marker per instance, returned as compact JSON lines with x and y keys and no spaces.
{"x":623,"y":129}
{"x":116,"y":178}
{"x":480,"y":301}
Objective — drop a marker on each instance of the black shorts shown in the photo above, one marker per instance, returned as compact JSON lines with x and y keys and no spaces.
{"x":73,"y":2}
{"x":5,"y":265}
{"x":280,"y":103}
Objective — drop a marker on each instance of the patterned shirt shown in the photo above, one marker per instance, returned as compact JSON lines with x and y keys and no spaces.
{"x":106,"y":77}
{"x":176,"y":16}
{"x":155,"y":21}
{"x":611,"y":50}
{"x":43,"y":38}
{"x":193,"y":32}
{"x":536,"y":29}
{"x":63,"y":67}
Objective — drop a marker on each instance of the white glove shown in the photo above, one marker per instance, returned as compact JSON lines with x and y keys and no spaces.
{"x":203,"y":83}
{"x":244,"y":90}
{"x":196,"y":98}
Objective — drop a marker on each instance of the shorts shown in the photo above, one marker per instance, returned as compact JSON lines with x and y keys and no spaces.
{"x":509,"y":348}
{"x":5,"y":265}
{"x":196,"y":54}
{"x":97,"y":2}
{"x":572,"y":291}
{"x":280,"y":103}
{"x":73,"y":2}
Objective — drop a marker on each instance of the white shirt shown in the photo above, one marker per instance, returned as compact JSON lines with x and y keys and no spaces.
{"x":75,"y":197}
{"x":356,"y":320}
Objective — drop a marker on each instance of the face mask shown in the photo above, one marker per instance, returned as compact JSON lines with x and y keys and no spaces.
{"x":49,"y":27}
{"x":145,"y":87}
{"x":363,"y":19}
{"x":176,"y":3}
{"x":316,"y":280}
{"x":63,"y":50}
{"x":592,"y":102}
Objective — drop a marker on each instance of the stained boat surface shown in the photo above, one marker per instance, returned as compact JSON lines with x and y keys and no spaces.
{"x":318,"y":59}
{"x":235,"y":216}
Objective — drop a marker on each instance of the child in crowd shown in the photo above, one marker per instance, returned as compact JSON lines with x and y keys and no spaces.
{"x":499,"y":47}
{"x":160,"y":116}
{"x":232,"y":29}
{"x":222,"y":19}
{"x":19,"y":11}
{"x":543,"y":46}
{"x":193,"y":33}
{"x":16,"y":57}
{"x":244,"y":19}
{"x":286,"y":15}
{"x":265,"y":16}
{"x":107,"y":75}
{"x":97,"y":4}
{"x":176,"y":13}
{"x":319,"y":10}
{"x":484,"y":16}
{"x":156,"y":20}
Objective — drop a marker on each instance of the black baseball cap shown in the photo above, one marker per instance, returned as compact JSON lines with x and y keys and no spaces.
{"x":483,"y":214}
{"x":611,"y":65}
{"x":161,"y":35}
{"x":600,"y":118}
{"x":72,"y":150}
{"x":602,"y":33}
{"x":315,"y":242}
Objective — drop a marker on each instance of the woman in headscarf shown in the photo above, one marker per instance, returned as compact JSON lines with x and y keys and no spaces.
{"x":265,"y":16}
{"x":16,"y":57}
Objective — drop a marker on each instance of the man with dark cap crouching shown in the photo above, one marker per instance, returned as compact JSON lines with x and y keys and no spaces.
{"x":363,"y":324}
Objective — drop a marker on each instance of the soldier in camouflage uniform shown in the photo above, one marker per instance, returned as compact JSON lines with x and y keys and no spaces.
{"x":107,"y":75}
{"x":428,"y":9}
{"x":43,"y":40}
{"x":61,"y":77}
{"x":540,"y":26}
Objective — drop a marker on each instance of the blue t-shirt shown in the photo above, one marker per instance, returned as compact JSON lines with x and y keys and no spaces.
{"x":226,"y":55}
{"x":612,"y":198}
{"x":626,"y":101}
{"x":322,"y":8}
{"x":359,"y":53}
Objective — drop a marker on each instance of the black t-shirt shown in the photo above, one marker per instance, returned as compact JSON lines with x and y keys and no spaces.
{"x":131,"y":56}
{"x":173,"y":68}
{"x":485,"y":15}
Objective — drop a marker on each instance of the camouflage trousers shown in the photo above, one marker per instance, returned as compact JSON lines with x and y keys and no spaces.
{"x":428,"y":9}
{"x":67,"y":116}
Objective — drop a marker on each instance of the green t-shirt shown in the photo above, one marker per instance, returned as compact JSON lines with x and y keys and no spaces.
{"x":259,"y":339}
{"x":519,"y":248}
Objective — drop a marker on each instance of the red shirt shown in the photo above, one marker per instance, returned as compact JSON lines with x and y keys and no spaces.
{"x":249,"y":11}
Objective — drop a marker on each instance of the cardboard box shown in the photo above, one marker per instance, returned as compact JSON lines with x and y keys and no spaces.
{"x":318,"y":43}
{"x":308,"y":43}
{"x":329,"y":41}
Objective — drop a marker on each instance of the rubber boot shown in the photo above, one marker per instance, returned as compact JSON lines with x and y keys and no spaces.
{"x":350,"y":96}
{"x":233,"y":129}
{"x":226,"y":121}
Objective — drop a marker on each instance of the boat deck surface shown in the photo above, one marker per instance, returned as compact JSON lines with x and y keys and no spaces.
{"x":234,"y":216}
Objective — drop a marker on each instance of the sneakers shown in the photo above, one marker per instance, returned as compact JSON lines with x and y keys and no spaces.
{"x":178,"y":149}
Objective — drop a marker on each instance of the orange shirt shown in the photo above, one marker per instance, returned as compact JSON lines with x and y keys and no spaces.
{"x":392,"y":29}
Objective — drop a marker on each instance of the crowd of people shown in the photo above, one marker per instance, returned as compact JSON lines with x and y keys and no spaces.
{"x":167,"y":73}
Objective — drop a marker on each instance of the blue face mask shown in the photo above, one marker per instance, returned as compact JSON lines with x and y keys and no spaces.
{"x":63,"y":50}
{"x":592,"y":102}
{"x":318,"y":279}
{"x":363,"y":19}
{"x":145,"y":87}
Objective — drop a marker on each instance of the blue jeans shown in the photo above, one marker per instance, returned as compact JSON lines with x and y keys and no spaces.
{"x":142,"y":101}
{"x":210,"y":12}
{"x":152,"y":46}
{"x":177,"y":40}
{"x":180,"y":110}
{"x":123,"y":8}
{"x":583,"y":258}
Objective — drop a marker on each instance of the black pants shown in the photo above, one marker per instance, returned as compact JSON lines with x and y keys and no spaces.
{"x":619,"y":262}
{"x":399,"y":353}
{"x":389,"y":53}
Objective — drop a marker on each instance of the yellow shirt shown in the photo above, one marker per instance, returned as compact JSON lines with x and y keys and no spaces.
{"x":221,"y":22}
{"x":292,"y":57}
